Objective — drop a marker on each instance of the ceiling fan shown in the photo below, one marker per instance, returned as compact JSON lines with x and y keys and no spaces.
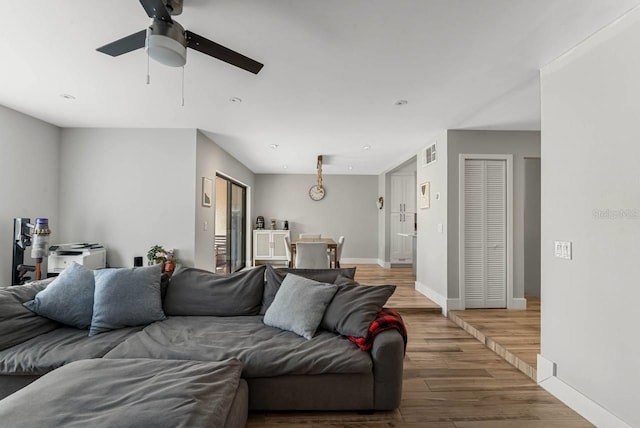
{"x":166,"y":41}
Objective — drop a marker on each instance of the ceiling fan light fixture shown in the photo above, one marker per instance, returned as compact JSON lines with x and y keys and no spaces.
{"x":166,"y":51}
{"x":166,"y":43}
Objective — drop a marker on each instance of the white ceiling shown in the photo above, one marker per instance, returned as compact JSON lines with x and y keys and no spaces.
{"x":333,"y":70}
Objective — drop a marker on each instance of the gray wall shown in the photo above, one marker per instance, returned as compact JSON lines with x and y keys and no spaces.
{"x":518,"y":143}
{"x":591,"y":196}
{"x":129,"y":189}
{"x":349,"y":208}
{"x":532,"y":227}
{"x":211,"y":159}
{"x":29,"y":173}
{"x":383,"y":222}
{"x":432,"y":245}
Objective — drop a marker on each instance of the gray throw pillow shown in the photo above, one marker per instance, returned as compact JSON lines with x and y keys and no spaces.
{"x":299,"y":305}
{"x":68,"y":299}
{"x":17,"y":323}
{"x":199,"y":292}
{"x":354,"y":307}
{"x":126,"y":297}
{"x":274,"y":278}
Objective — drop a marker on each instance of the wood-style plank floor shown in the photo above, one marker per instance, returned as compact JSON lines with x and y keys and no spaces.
{"x":451,"y":380}
{"x":512,"y":334}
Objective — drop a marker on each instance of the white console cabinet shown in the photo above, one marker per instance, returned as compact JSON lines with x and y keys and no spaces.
{"x":269,"y":246}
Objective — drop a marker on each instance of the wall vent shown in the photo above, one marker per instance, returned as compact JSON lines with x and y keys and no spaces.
{"x":429,"y":154}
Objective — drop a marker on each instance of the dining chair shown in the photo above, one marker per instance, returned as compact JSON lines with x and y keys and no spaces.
{"x":339,"y":250}
{"x":311,"y":255}
{"x":310,"y":235}
{"x":287,"y":248}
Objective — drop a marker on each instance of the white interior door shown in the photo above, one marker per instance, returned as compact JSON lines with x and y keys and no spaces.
{"x":485,"y":233}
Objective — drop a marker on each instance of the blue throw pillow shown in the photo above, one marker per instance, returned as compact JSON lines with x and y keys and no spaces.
{"x":299,"y":305}
{"x":126,"y":297}
{"x":68,"y":299}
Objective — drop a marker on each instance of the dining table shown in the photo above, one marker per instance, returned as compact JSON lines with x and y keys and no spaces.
{"x":332,"y":245}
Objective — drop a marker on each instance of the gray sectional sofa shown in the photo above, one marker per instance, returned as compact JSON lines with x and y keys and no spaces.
{"x":210,"y":317}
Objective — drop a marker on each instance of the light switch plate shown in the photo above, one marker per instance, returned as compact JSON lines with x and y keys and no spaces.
{"x":440,"y":228}
{"x":562,"y":249}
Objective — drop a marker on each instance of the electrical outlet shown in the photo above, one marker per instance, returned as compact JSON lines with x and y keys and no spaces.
{"x":205,"y":226}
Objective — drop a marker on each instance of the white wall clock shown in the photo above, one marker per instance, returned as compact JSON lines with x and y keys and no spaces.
{"x":316,"y":193}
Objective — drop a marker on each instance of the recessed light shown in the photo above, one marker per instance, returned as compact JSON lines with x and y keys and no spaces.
{"x":273,"y":146}
{"x":401,"y":102}
{"x":67,"y":96}
{"x":350,"y":167}
{"x":367,"y":147}
{"x":235,"y":100}
{"x":285,"y":166}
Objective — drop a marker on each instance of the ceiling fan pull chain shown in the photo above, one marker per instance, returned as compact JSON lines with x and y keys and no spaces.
{"x":183,"y":86}
{"x":148,"y":77}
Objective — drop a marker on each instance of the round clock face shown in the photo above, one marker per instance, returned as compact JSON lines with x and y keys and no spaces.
{"x":316,"y":193}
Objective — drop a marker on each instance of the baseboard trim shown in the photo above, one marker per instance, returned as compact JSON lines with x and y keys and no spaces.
{"x":433,"y":295}
{"x":383,"y":264}
{"x":356,"y":261}
{"x":545,"y":369}
{"x":583,"y":405}
{"x":518,"y":303}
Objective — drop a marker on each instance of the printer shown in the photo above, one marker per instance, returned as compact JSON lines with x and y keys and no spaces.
{"x":91,"y":256}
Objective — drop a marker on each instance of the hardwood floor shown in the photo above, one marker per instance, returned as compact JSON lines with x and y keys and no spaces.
{"x":514,"y":335}
{"x":405,"y":298}
{"x":450,"y":379}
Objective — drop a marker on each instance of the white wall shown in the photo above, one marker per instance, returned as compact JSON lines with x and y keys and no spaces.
{"x":520,"y":144}
{"x":349,"y":208}
{"x":211,"y":159}
{"x":591,"y":196}
{"x":29,"y":173}
{"x":431,"y":272}
{"x":129,"y":189}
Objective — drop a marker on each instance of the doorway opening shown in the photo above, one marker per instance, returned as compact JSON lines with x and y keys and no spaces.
{"x":230,"y":225}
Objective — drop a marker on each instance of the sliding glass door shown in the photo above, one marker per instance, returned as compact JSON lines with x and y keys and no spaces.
{"x":231,"y":214}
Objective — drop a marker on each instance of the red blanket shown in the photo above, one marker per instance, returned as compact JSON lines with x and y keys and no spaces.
{"x":387,"y":319}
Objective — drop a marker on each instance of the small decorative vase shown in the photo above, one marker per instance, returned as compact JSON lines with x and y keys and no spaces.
{"x":169,"y":266}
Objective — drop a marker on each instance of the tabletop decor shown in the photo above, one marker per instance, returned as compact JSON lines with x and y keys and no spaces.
{"x":158,"y":255}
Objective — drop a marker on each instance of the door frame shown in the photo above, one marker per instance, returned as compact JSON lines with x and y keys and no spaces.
{"x":246,"y":226}
{"x":509,"y":241}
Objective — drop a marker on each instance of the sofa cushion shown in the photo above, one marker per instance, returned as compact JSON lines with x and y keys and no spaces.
{"x":126,"y":297}
{"x":17,"y":323}
{"x":274,"y":278}
{"x":56,"y":348}
{"x":299,"y":305}
{"x":264,"y":351}
{"x":127,"y":393}
{"x":199,"y":292}
{"x":354,"y":307}
{"x":68,"y":299}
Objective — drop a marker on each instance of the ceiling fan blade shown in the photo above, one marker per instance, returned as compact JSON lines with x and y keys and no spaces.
{"x":125,"y":44}
{"x":222,"y":53}
{"x":156,"y":9}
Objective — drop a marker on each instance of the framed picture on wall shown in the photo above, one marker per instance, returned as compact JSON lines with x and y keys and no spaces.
{"x":425,"y":195}
{"x":207,"y":191}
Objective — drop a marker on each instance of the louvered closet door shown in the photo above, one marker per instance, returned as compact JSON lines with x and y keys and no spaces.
{"x":485,"y":219}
